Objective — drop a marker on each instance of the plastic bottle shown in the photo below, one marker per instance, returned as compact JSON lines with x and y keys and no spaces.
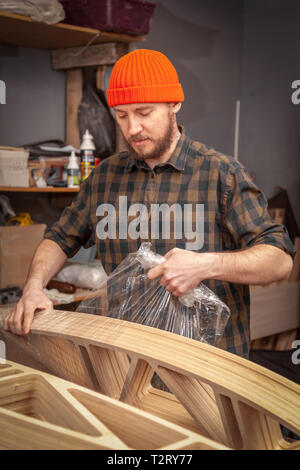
{"x":73,"y":171}
{"x":87,"y":154}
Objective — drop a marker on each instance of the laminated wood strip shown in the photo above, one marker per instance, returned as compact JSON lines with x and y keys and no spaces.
{"x":91,"y":378}
{"x":234,"y":390}
{"x":229,"y":420}
{"x":138,"y":381}
{"x":111,"y":368}
{"x":197,"y":398}
{"x":258,"y":431}
{"x":40,"y":411}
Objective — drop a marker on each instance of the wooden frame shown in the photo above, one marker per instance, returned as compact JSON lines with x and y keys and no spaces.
{"x":99,"y":55}
{"x":40,"y":411}
{"x":19,"y":30}
{"x":228,"y":399}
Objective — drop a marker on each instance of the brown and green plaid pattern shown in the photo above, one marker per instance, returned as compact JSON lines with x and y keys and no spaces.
{"x":235,"y":216}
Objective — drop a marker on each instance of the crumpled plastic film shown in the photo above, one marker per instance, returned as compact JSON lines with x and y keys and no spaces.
{"x":46,"y":11}
{"x":129,"y":295}
{"x":84,"y":275}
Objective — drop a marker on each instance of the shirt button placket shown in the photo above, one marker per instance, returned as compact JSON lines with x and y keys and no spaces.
{"x":151,"y":186}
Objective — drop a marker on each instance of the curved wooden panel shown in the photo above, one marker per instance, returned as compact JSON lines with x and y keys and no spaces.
{"x":40,"y":411}
{"x":226,"y":398}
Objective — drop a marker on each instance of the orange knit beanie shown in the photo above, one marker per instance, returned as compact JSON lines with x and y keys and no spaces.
{"x":144,"y":76}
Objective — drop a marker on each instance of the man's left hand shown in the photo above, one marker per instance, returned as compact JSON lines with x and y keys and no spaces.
{"x":183,"y":270}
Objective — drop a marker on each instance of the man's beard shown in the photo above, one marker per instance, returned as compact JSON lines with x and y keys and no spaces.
{"x":161,"y":145}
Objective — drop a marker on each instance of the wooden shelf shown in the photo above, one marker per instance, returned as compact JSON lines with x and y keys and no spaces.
{"x":17,"y":30}
{"x":48,"y":189}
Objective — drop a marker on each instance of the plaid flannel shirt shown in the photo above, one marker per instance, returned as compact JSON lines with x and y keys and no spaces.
{"x":235,"y":216}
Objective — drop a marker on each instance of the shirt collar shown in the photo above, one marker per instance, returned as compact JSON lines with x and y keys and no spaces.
{"x":177,"y":159}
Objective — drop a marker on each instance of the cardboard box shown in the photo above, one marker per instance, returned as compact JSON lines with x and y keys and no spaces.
{"x":17,"y":247}
{"x":13,"y":167}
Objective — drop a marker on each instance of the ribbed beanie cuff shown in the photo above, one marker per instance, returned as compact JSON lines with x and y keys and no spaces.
{"x":144,"y":76}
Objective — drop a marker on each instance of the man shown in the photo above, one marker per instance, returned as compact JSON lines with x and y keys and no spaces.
{"x":236,"y":243}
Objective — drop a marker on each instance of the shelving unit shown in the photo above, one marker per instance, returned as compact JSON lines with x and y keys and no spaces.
{"x":17,"y":30}
{"x":48,"y":189}
{"x":86,"y":47}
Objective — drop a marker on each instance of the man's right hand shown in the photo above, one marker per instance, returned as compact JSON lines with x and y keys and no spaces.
{"x":19,"y":320}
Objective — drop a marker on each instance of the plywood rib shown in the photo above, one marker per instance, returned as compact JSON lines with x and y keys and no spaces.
{"x":40,"y":411}
{"x":213,"y":392}
{"x":137,"y":382}
{"x":198,"y":400}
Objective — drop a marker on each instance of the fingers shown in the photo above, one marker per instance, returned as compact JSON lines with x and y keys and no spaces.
{"x":175,"y":289}
{"x":6,"y":320}
{"x":173,"y":285}
{"x":156,"y":272}
{"x":30,"y":309}
{"x":171,"y":252}
{"x":178,"y":291}
{"x":19,"y":320}
{"x":166,"y":280}
{"x":28,"y":318}
{"x":171,"y":280}
{"x":159,"y":270}
{"x":16,"y":321}
{"x":13,"y":321}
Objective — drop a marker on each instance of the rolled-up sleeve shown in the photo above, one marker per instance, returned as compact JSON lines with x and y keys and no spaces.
{"x":74,"y":228}
{"x":246,"y":216}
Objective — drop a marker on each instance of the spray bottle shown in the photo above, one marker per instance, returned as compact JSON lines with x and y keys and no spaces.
{"x":73,"y":171}
{"x":87,"y":153}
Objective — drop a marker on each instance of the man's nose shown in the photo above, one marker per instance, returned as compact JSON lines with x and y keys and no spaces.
{"x":135,"y":126}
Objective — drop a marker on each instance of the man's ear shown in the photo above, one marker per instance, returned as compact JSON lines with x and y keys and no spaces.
{"x":175,"y":107}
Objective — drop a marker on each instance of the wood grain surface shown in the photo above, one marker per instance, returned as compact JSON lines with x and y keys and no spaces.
{"x":228,"y":399}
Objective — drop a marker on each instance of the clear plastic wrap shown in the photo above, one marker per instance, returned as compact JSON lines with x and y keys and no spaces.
{"x":56,"y":296}
{"x":84,"y":275}
{"x":46,"y":11}
{"x":132,"y":296}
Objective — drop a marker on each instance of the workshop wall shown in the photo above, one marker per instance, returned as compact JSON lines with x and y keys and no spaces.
{"x":35,"y":97}
{"x":203,"y":39}
{"x":270,"y":122}
{"x":223,"y":51}
{"x":235,"y":50}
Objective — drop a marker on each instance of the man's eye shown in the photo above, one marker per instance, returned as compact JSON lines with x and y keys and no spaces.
{"x":145,"y":114}
{"x":121,"y":117}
